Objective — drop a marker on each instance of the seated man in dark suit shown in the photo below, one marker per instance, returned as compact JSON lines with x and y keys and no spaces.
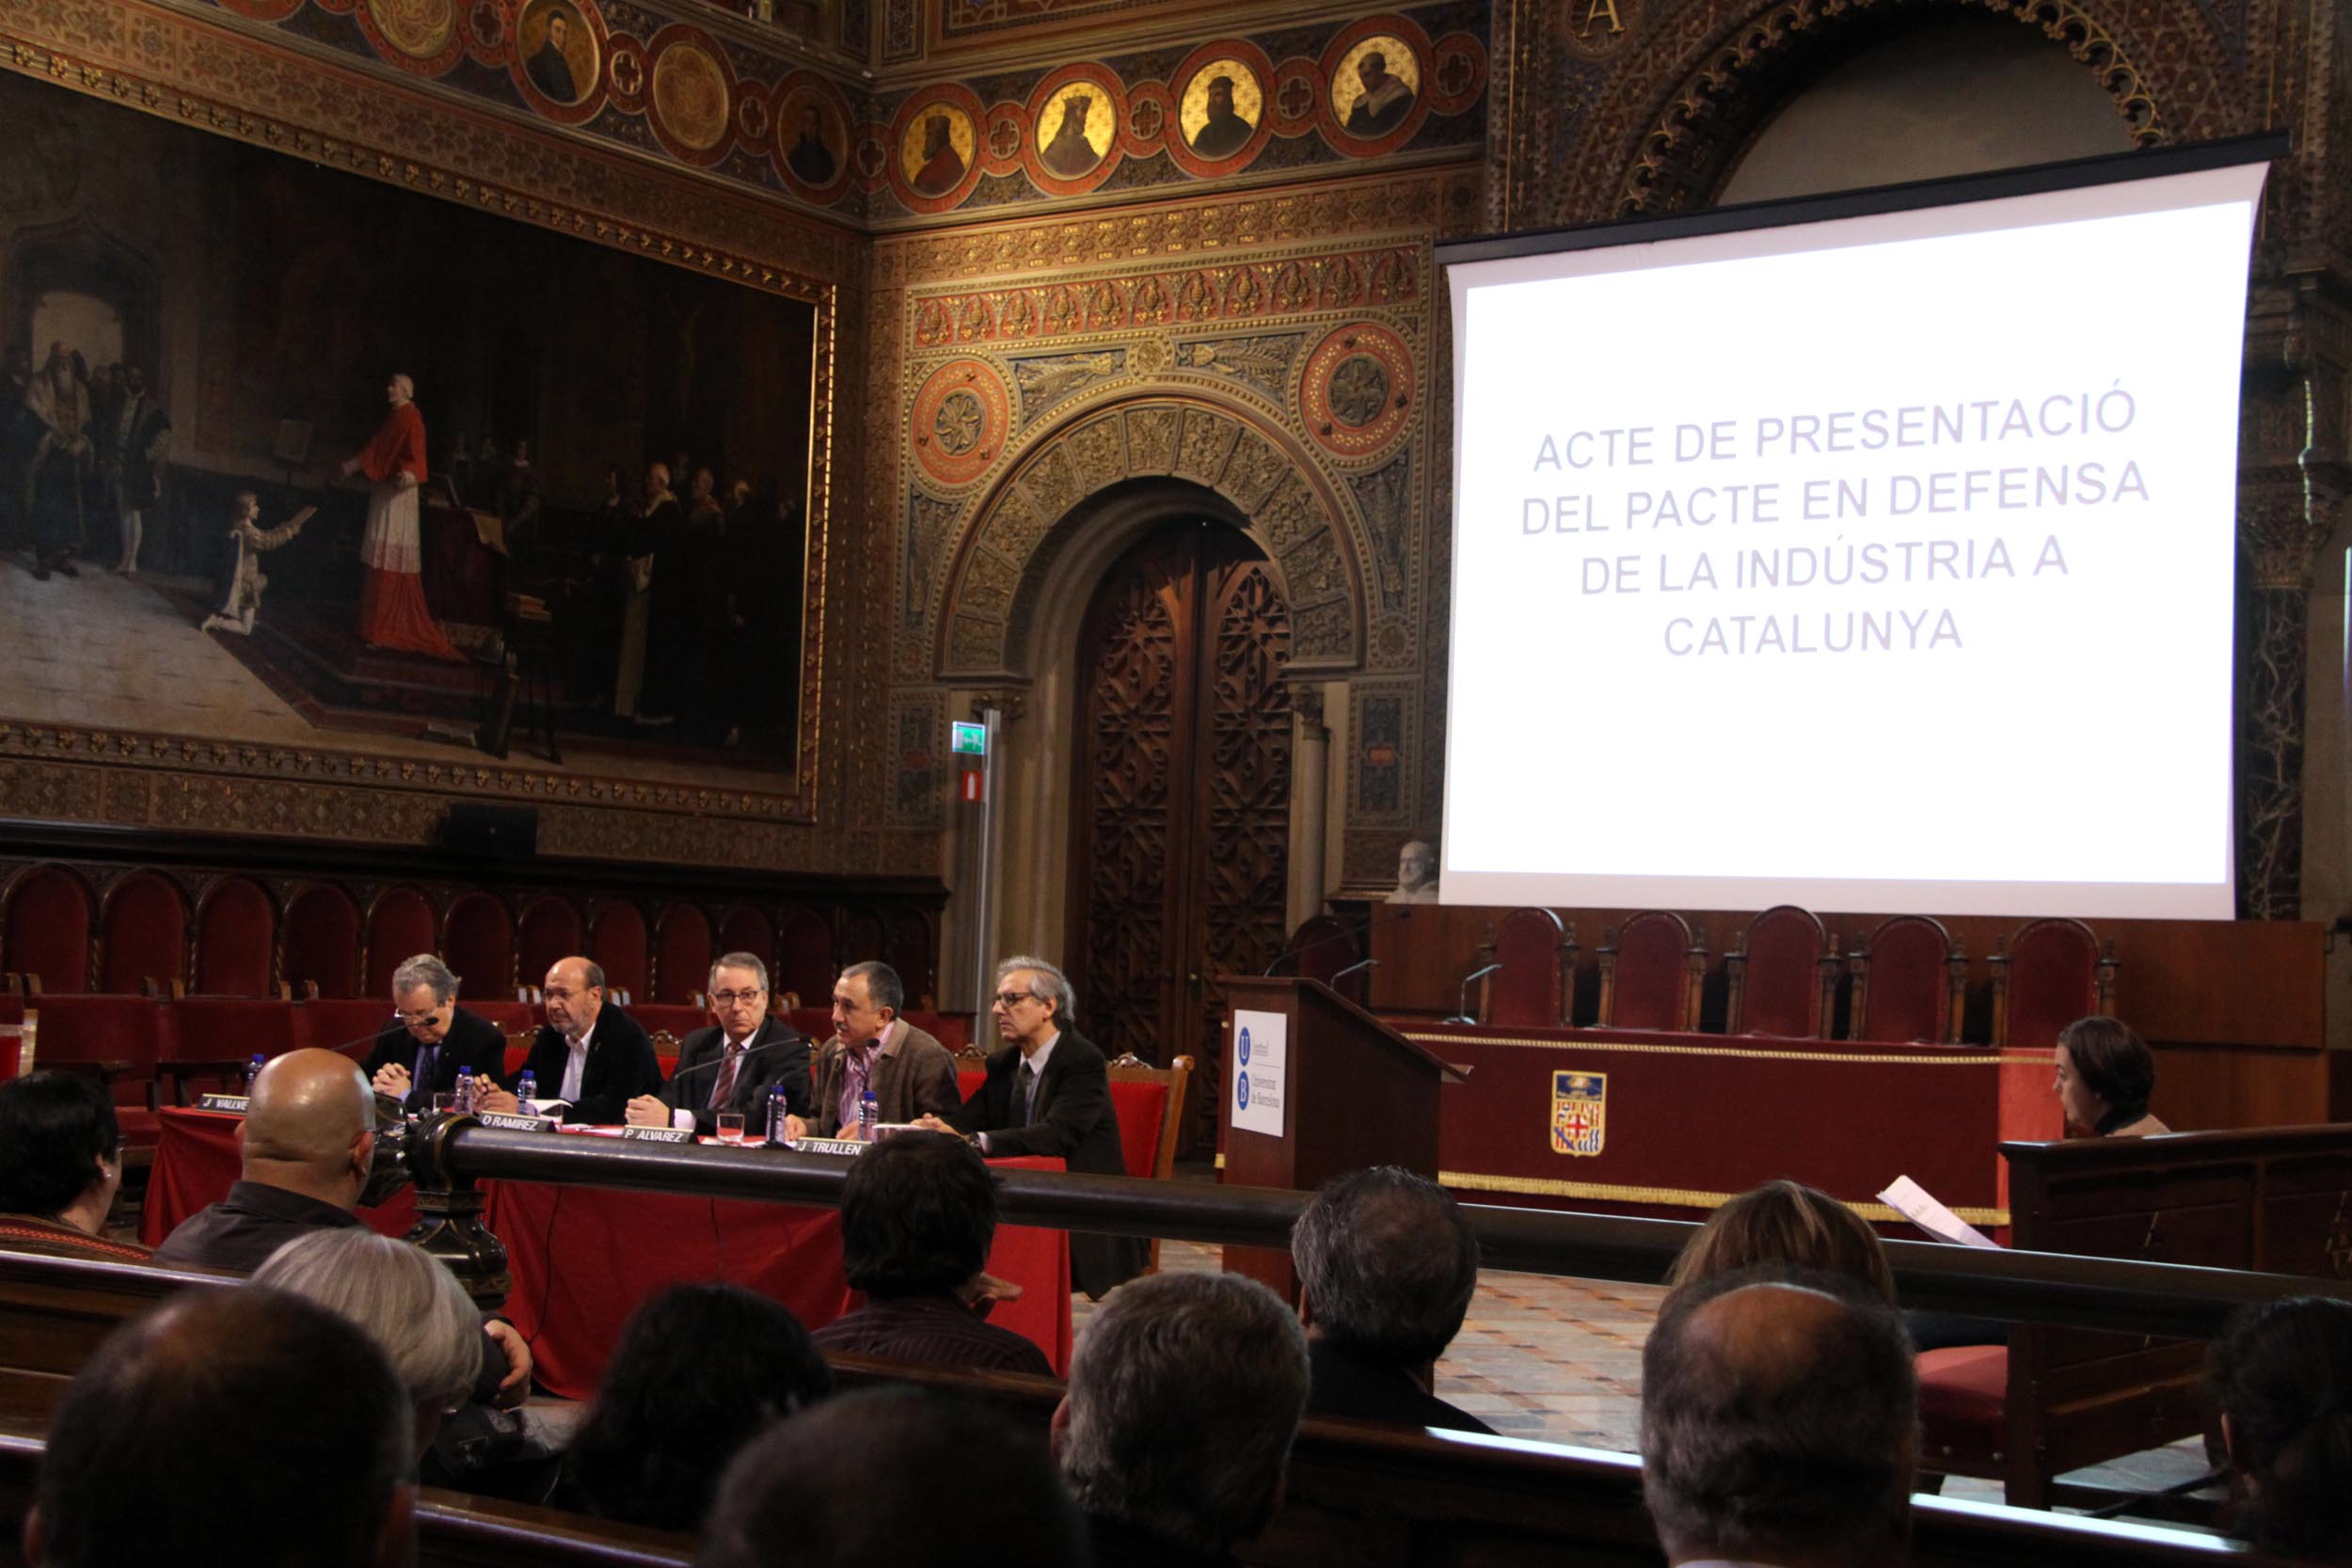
{"x":420,"y":1054}
{"x":1048,"y":1091}
{"x":911,"y":1073}
{"x":1387,"y":1265}
{"x":919,"y":1211}
{"x":733,"y":1064}
{"x":594,"y":1057}
{"x":229,"y":1428}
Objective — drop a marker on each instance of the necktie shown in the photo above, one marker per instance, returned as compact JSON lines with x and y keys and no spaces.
{"x":420,"y":1080}
{"x":726,"y":1086}
{"x":1027,"y":1084}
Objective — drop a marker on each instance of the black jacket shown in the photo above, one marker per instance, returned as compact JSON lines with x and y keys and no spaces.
{"x":698,"y":1073}
{"x":1340,"y":1383}
{"x":620,"y":1067}
{"x":1074,"y":1119}
{"x":473,"y":1044}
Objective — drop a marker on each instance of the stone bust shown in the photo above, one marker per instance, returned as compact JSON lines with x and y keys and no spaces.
{"x":1416,"y":875}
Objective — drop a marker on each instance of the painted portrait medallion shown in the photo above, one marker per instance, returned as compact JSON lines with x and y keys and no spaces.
{"x":1076,"y":131}
{"x":1223,"y":104}
{"x":937,"y":150}
{"x":556,"y":47}
{"x":1376,"y":86}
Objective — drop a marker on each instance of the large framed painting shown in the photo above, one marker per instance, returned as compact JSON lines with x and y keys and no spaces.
{"x":293,"y":458}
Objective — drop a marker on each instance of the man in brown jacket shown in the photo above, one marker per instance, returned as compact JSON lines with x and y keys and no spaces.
{"x":911,"y":1073}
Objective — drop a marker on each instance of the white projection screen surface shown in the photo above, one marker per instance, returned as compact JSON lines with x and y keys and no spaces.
{"x":1877,"y":563}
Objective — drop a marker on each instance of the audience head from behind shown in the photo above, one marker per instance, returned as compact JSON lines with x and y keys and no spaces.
{"x":233,"y":1428}
{"x":1185,"y":1394}
{"x":699,"y":1371}
{"x":888,"y":1479}
{"x":918,"y":1212}
{"x":1387,"y":1266}
{"x":2282,"y":1375}
{"x":60,"y":1150}
{"x":310,"y":1127}
{"x":407,"y":1302}
{"x":1779,"y":1423}
{"x":2106,"y":1076}
{"x":1790,"y":1224}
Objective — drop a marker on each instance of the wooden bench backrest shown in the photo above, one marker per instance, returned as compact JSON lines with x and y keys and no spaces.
{"x":2276,"y":1199}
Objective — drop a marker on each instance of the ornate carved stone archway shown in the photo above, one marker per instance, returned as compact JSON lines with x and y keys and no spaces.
{"x":1315,"y":536}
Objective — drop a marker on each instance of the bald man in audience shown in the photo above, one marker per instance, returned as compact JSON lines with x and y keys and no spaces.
{"x":198,"y":1436}
{"x":308,"y":1140}
{"x":1780,"y":1424}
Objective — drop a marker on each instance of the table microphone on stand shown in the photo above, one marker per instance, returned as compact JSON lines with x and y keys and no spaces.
{"x":1464,"y":1016}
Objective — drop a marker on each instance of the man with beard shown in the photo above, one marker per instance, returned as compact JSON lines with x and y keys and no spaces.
{"x":59,"y":402}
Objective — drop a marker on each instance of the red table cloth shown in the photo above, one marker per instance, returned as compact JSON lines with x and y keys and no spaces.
{"x":581,"y":1258}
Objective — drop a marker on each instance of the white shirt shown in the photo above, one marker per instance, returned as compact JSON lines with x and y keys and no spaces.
{"x":574,"y":1066}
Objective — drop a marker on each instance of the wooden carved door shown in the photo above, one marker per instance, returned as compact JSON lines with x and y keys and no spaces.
{"x":1182,"y":813}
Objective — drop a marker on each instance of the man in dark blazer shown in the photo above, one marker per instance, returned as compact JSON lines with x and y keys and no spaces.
{"x":766,"y":1051}
{"x":1048,"y":1091}
{"x":595,"y":1056}
{"x":422,"y":1052}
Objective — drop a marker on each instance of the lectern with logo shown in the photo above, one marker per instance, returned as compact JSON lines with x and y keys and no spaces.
{"x":1314,"y":1086}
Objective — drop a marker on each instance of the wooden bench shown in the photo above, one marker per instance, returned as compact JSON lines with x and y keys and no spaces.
{"x":2277,"y":1200}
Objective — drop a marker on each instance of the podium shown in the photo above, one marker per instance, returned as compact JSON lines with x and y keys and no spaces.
{"x":1328,"y":1089}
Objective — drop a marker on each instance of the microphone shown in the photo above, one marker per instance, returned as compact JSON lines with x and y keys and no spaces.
{"x":1402,"y":913}
{"x":791,"y":1036}
{"x":1464,"y":1016}
{"x":1361,"y":963}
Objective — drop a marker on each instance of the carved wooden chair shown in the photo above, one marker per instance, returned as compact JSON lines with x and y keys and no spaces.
{"x":19,"y":1043}
{"x":1538,"y":981}
{"x":1909,"y":982}
{"x":1651,"y":969}
{"x":2051,"y":973}
{"x":1783,"y":976}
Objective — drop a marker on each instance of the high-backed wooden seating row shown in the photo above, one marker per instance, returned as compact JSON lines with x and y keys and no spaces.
{"x":1358,"y":1492}
{"x":1907,"y":978}
{"x":68,"y":929}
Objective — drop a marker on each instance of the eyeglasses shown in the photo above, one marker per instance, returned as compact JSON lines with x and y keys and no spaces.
{"x":729,"y":998}
{"x":426,"y":1017}
{"x":1013,"y":998}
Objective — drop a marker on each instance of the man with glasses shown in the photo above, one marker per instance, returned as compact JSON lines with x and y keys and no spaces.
{"x":422,"y":1052}
{"x":732,"y":1065}
{"x":594,"y":1057}
{"x":911,"y":1073}
{"x":1048,"y":1092}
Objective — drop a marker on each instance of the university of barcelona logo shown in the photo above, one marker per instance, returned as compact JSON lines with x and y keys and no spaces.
{"x":1580,"y":1107}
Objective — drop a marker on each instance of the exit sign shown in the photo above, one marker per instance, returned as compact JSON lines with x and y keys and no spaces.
{"x":968,"y":741}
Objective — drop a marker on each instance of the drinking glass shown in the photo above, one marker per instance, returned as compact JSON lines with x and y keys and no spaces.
{"x":730,"y":1127}
{"x":444,"y":1103}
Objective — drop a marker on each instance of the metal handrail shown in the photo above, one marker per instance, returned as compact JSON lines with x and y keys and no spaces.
{"x":2165,"y":1299}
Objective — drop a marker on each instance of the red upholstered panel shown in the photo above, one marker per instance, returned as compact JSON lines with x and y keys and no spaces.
{"x":322,"y":941}
{"x":1907,"y":993}
{"x":805,"y":956}
{"x":969,"y":1076}
{"x":133,"y":1029}
{"x":515,"y":1056}
{"x":1781,"y":992}
{"x":1141,"y":1108}
{"x":746,"y":930}
{"x":548,"y":931}
{"x":911,"y":955}
{"x":350,"y":1025}
{"x":681,"y":954}
{"x":617,"y":944}
{"x":144,"y":933}
{"x":513,"y":1018}
{"x":1652,"y":957}
{"x":47,"y":930}
{"x":2051,"y":981}
{"x":1962,"y":1392}
{"x":477,"y":938}
{"x":236,"y":928}
{"x":400,"y":926}
{"x":1526,"y":991}
{"x":680,"y":1018}
{"x":226,"y":1026}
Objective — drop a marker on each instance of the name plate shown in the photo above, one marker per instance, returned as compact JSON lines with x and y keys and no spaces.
{"x":830,"y":1145}
{"x":515,"y":1124}
{"x":223,"y":1103}
{"x":659,"y":1134}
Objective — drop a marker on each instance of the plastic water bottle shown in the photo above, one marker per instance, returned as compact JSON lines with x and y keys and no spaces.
{"x":464,"y":1093}
{"x":527,"y":1094}
{"x":869,"y":1113}
{"x":777,"y":1109}
{"x":253,"y":1070}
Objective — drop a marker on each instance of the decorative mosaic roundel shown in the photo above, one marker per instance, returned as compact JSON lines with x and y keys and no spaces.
{"x":959,"y":421}
{"x":1356,"y":393}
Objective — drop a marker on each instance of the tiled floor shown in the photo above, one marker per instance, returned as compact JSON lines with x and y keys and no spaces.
{"x":1559,"y":1360}
{"x":102,"y":651}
